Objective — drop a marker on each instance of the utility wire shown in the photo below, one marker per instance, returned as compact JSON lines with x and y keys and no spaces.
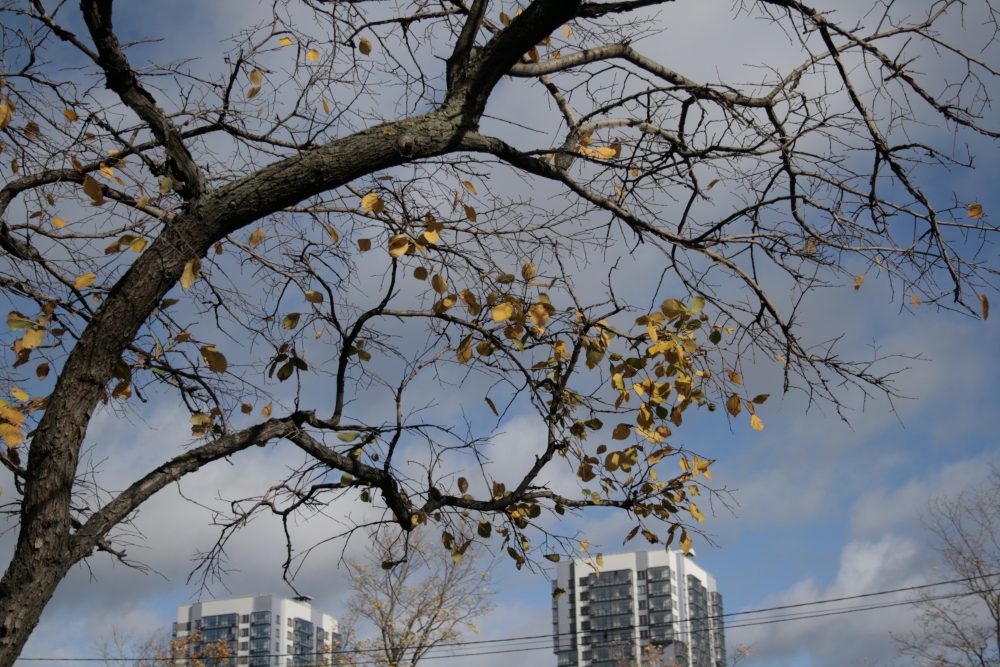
{"x":547,"y":638}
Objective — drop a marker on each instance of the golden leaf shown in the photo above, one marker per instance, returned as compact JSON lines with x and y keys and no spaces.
{"x":256,"y":237}
{"x":503,"y":312}
{"x":334,"y":234}
{"x":70,"y":115}
{"x":685,"y":542}
{"x":106,"y":171}
{"x":470,"y":187}
{"x":734,"y":377}
{"x":215,"y":360}
{"x":192,"y":268}
{"x":464,"y":353}
{"x":915,"y":300}
{"x":246,"y":408}
{"x":32,"y":338}
{"x":10,"y":414}
{"x":372,"y":202}
{"x":256,"y":77}
{"x":365,"y":46}
{"x":734,"y":405}
{"x":58,"y":223}
{"x":312,"y":55}
{"x":975,"y":211}
{"x":86,"y":280}
{"x":252,"y":92}
{"x":755,"y":423}
{"x":290,"y":321}
{"x":20,"y":394}
{"x":470,"y":213}
{"x":11,"y":435}
{"x":312,"y":296}
{"x":984,"y":306}
{"x":567,"y":31}
{"x":6,"y":113}
{"x":504,"y":18}
{"x":439,"y":284}
{"x":138,"y":244}
{"x":431,"y":236}
{"x":398,"y":245}
{"x":285,"y":41}
{"x":266,"y":411}
{"x":528,"y":271}
{"x":858,"y":282}
{"x":695,"y":512}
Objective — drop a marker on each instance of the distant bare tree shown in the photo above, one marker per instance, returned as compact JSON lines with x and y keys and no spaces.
{"x":416,"y":598}
{"x":963,"y":631}
{"x":123,"y":650}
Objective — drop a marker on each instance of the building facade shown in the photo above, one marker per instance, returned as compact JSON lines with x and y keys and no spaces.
{"x":261,"y":631}
{"x":646,"y":608}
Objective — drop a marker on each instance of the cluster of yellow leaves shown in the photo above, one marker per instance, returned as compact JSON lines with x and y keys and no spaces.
{"x":12,"y":418}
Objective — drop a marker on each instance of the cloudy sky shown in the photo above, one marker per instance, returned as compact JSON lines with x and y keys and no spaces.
{"x":819,"y":508}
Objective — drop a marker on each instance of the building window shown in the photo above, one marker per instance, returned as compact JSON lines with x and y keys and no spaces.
{"x":642,"y":604}
{"x":245,"y":618}
{"x":644,"y":634}
{"x":641,"y":574}
{"x":245,"y":632}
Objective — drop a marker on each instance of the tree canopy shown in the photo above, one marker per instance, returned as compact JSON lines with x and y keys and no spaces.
{"x":369,"y":232}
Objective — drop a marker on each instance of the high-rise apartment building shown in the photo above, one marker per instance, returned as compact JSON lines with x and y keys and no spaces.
{"x":646,"y":608}
{"x":261,"y":630}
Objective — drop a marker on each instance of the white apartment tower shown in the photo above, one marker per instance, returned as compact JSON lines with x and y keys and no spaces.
{"x":642,"y":608}
{"x":261,"y":630}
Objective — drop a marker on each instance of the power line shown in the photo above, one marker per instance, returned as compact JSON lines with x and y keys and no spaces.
{"x":546,"y":638}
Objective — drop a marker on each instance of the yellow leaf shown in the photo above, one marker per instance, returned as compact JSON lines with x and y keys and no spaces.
{"x":470,"y":213}
{"x":191,"y":270}
{"x":503,"y":312}
{"x":696,"y":513}
{"x":470,"y":187}
{"x":11,"y":435}
{"x":464,"y":353}
{"x":20,"y":394}
{"x":975,"y":211}
{"x":567,"y":31}
{"x":364,"y":245}
{"x":256,"y":237}
{"x":326,"y":106}
{"x":915,"y":300}
{"x":504,"y":18}
{"x":685,"y":542}
{"x":365,"y":46}
{"x":439,"y":284}
{"x":58,"y":223}
{"x":312,"y":55}
{"x":256,"y":77}
{"x":528,"y":271}
{"x":290,"y":321}
{"x":215,"y":360}
{"x":858,"y":282}
{"x":398,"y":245}
{"x":285,"y":41}
{"x":334,"y":234}
{"x":106,"y":171}
{"x":312,"y":296}
{"x":10,"y":414}
{"x":755,"y":423}
{"x":734,"y":405}
{"x":246,"y":408}
{"x":70,"y":115}
{"x":252,"y":92}
{"x":984,"y":306}
{"x":372,"y":202}
{"x":266,"y":411}
{"x":86,"y":280}
{"x":32,"y":338}
{"x":138,"y":244}
{"x":6,"y":113}
{"x":734,"y":377}
{"x":431,"y":236}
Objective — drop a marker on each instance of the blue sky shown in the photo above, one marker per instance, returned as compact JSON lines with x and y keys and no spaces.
{"x":820,"y":508}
